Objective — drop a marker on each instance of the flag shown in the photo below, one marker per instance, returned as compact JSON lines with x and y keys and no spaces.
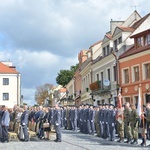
{"x":139,"y":106}
{"x":120,"y":111}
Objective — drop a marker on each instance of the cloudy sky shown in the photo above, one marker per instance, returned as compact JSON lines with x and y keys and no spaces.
{"x":41,"y":37}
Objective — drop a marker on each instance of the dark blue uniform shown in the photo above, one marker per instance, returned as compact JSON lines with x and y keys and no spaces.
{"x":92,"y":116}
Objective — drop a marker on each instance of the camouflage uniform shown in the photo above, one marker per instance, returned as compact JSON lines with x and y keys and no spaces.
{"x":134,"y":120}
{"x":127,"y":126}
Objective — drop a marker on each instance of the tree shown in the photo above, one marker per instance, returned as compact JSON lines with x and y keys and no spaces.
{"x":64,"y":76}
{"x":42,"y":93}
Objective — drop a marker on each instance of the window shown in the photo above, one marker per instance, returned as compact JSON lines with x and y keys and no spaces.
{"x":5,"y":81}
{"x":104,"y":52}
{"x":5,"y":96}
{"x":126,"y":76}
{"x":140,"y":42}
{"x":108,"y":74}
{"x":136,"y":73}
{"x":115,"y":72}
{"x":103,"y":101}
{"x":119,"y":40}
{"x":102,"y":79}
{"x":115,"y":45}
{"x":127,"y":99}
{"x":107,"y":49}
{"x":97,"y":77}
{"x":136,"y":100}
{"x":147,"y":71}
{"x":148,"y":39}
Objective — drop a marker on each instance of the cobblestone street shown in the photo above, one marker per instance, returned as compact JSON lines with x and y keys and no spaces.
{"x":71,"y":141}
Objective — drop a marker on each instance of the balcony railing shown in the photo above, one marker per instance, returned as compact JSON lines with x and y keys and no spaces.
{"x":98,"y":88}
{"x":95,"y":85}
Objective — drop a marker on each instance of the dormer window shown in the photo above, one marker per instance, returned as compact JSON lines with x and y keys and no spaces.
{"x":143,"y":40}
{"x":140,"y":42}
{"x":148,"y":39}
{"x":115,"y":45}
{"x":119,"y":40}
{"x":104,"y":52}
{"x":107,"y":49}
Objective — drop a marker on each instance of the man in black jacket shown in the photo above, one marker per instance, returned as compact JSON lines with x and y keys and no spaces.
{"x":57,"y":123}
{"x":24,"y":122}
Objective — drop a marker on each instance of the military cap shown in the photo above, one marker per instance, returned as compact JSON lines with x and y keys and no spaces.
{"x":106,"y":104}
{"x":111,"y":105}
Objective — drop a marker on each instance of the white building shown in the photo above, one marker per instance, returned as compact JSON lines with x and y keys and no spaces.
{"x":10,"y":89}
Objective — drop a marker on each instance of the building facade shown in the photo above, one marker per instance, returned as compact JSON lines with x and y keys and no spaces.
{"x":135,"y":69}
{"x":10,"y":85}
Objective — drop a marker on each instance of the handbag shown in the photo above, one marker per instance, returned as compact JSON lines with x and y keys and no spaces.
{"x":21,"y":133}
{"x":46,"y":125}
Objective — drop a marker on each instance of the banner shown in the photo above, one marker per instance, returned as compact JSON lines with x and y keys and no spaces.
{"x":120,"y":110}
{"x":139,"y":106}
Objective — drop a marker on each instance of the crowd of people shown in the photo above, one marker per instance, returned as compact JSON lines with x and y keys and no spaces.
{"x":25,"y":117}
{"x":101,"y":120}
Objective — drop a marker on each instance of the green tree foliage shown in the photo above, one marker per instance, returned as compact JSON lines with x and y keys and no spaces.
{"x":64,"y":76}
{"x":42,"y":93}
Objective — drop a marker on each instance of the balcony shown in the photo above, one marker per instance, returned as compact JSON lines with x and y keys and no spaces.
{"x":98,"y":88}
{"x":95,"y":85}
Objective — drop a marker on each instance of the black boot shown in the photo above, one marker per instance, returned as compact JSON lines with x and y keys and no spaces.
{"x":143,"y":142}
{"x":126,"y":141}
{"x":121,"y":140}
{"x":129,"y":141}
{"x":134,"y":142}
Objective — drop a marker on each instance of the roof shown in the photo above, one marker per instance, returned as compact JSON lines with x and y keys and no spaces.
{"x":138,"y":23}
{"x":95,"y":44}
{"x":133,"y":51}
{"x":126,"y":29}
{"x":97,"y":59}
{"x":141,"y":33}
{"x":4,"y":69}
{"x":109,"y":36}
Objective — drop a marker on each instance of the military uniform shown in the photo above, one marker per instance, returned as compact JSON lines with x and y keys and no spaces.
{"x":127,"y":126}
{"x":92,"y":117}
{"x":134,"y":120}
{"x":120,"y":125}
{"x":101,"y":120}
{"x":97,"y":122}
{"x":148,"y":122}
{"x":112,"y":122}
{"x":68,"y":119}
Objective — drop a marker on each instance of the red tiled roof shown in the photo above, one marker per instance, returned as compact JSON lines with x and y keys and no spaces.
{"x":7,"y":70}
{"x":126,"y":29}
{"x":96,"y":43}
{"x":133,"y":51}
{"x":109,"y":36}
